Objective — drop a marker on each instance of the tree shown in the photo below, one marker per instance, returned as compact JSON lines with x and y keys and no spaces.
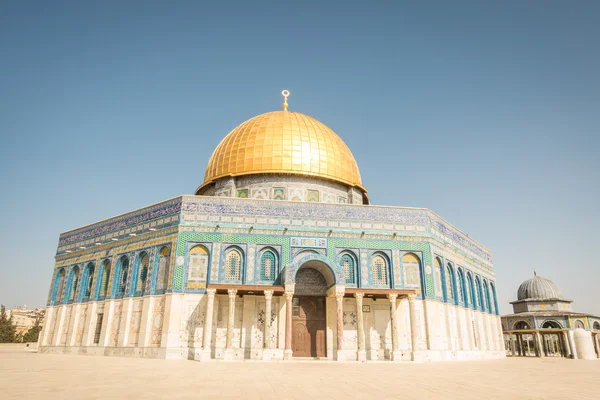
{"x":7,"y":329}
{"x":33,"y":333}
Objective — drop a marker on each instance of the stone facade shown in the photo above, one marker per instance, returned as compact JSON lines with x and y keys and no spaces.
{"x":204,"y":277}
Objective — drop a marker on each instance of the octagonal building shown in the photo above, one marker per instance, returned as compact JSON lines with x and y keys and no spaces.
{"x":278,"y":255}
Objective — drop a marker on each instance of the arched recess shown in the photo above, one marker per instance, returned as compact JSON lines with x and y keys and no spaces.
{"x":450,"y":284}
{"x":142,"y":274}
{"x":268,"y":263}
{"x":521,"y":325}
{"x":333,"y":273}
{"x":411,"y":264}
{"x":461,"y":288}
{"x":198,"y":261}
{"x":479,"y":294}
{"x":59,"y":286}
{"x":551,"y":324}
{"x":579,"y":324}
{"x":74,"y":280}
{"x":162,"y":273}
{"x":438,"y":278}
{"x":471,"y":290}
{"x":494,"y":298}
{"x":380,"y":269}
{"x":105,"y":281}
{"x":122,"y":276}
{"x":88,"y":280}
{"x":596,"y":325}
{"x":486,"y":294}
{"x":233,"y":264}
{"x":349,"y":262}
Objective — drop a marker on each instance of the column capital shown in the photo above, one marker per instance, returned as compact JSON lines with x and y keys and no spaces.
{"x":289,"y":294}
{"x":359,"y":296}
{"x":339,"y":296}
{"x":231,"y":293}
{"x":412,"y":297}
{"x":268,"y":294}
{"x":392,"y":297}
{"x":211,"y":292}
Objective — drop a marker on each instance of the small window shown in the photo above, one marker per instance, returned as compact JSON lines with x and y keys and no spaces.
{"x":449,"y":280}
{"x":74,"y":284}
{"x":90,"y":281}
{"x":60,"y":285}
{"x":162,"y":277}
{"x":198,"y":264}
{"x":437,"y":277}
{"x":105,"y":278}
{"x":267,"y":266}
{"x":461,"y":287}
{"x":379,"y":270}
{"x":348,"y":265}
{"x":124,"y":275}
{"x":233,"y":265}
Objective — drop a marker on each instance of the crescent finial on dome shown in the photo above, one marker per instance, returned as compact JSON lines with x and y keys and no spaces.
{"x":285,"y":94}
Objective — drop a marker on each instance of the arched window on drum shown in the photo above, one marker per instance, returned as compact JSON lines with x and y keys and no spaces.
{"x":437,"y":277}
{"x":143,"y":274}
{"x":412,"y":270}
{"x":162,"y":274}
{"x":233,"y":265}
{"x":471,"y":291}
{"x":198,"y":264}
{"x":349,"y":266}
{"x":379,"y":270}
{"x":268,"y":266}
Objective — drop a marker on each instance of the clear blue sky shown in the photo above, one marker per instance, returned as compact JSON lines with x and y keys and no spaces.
{"x":488,"y":113}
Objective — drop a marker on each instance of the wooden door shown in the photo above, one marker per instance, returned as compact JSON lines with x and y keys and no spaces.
{"x":308,"y":327}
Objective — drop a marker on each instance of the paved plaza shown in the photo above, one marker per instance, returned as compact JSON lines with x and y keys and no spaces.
{"x":28,"y":375}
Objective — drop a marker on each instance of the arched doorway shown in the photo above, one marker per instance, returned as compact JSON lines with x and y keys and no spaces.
{"x":309,"y":309}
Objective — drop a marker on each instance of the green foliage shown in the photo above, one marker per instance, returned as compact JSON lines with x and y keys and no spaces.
{"x":7,"y":329}
{"x":32,"y":334}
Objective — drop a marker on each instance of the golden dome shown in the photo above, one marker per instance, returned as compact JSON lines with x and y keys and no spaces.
{"x":283,"y":142}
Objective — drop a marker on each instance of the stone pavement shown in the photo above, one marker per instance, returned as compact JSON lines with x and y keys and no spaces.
{"x":28,"y":375}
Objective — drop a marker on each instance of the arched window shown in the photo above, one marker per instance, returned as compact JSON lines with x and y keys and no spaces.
{"x":461,"y":286}
{"x":437,"y":277}
{"x":141,"y":283}
{"x":122,"y":282}
{"x":596,"y":325}
{"x":90,"y":280}
{"x":486,"y":294}
{"x":494,"y":300}
{"x":268,"y":266}
{"x":198,"y":264}
{"x":162,"y":275}
{"x":478,"y":297}
{"x":233,"y":265}
{"x":60,"y":285}
{"x":74,"y":283}
{"x":105,"y":278}
{"x":349,"y":265}
{"x":412,"y":270}
{"x":551,"y":325}
{"x":579,"y":324}
{"x":449,"y":283}
{"x":379,"y":270}
{"x":471,"y":291}
{"x":522,"y":325}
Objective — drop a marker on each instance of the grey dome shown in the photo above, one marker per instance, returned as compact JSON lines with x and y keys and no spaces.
{"x":539,"y":288}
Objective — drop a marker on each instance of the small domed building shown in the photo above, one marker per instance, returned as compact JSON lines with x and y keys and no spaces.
{"x":278,"y":255}
{"x":544,"y":324}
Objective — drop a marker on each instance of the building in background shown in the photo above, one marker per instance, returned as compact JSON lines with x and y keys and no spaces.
{"x":279,"y":254}
{"x":544,"y":324}
{"x":25,"y":319}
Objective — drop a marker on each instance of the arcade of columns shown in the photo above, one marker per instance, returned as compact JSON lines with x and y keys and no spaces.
{"x":289,"y":294}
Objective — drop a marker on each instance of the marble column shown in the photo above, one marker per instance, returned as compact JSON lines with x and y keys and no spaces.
{"x":339,"y":298}
{"x":413,"y":324}
{"x":287,"y":353}
{"x":540,"y":343}
{"x":513,"y":345}
{"x":228,"y":355}
{"x":208,"y":317}
{"x":395,"y":354}
{"x":266,"y":356}
{"x":362,"y":353}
